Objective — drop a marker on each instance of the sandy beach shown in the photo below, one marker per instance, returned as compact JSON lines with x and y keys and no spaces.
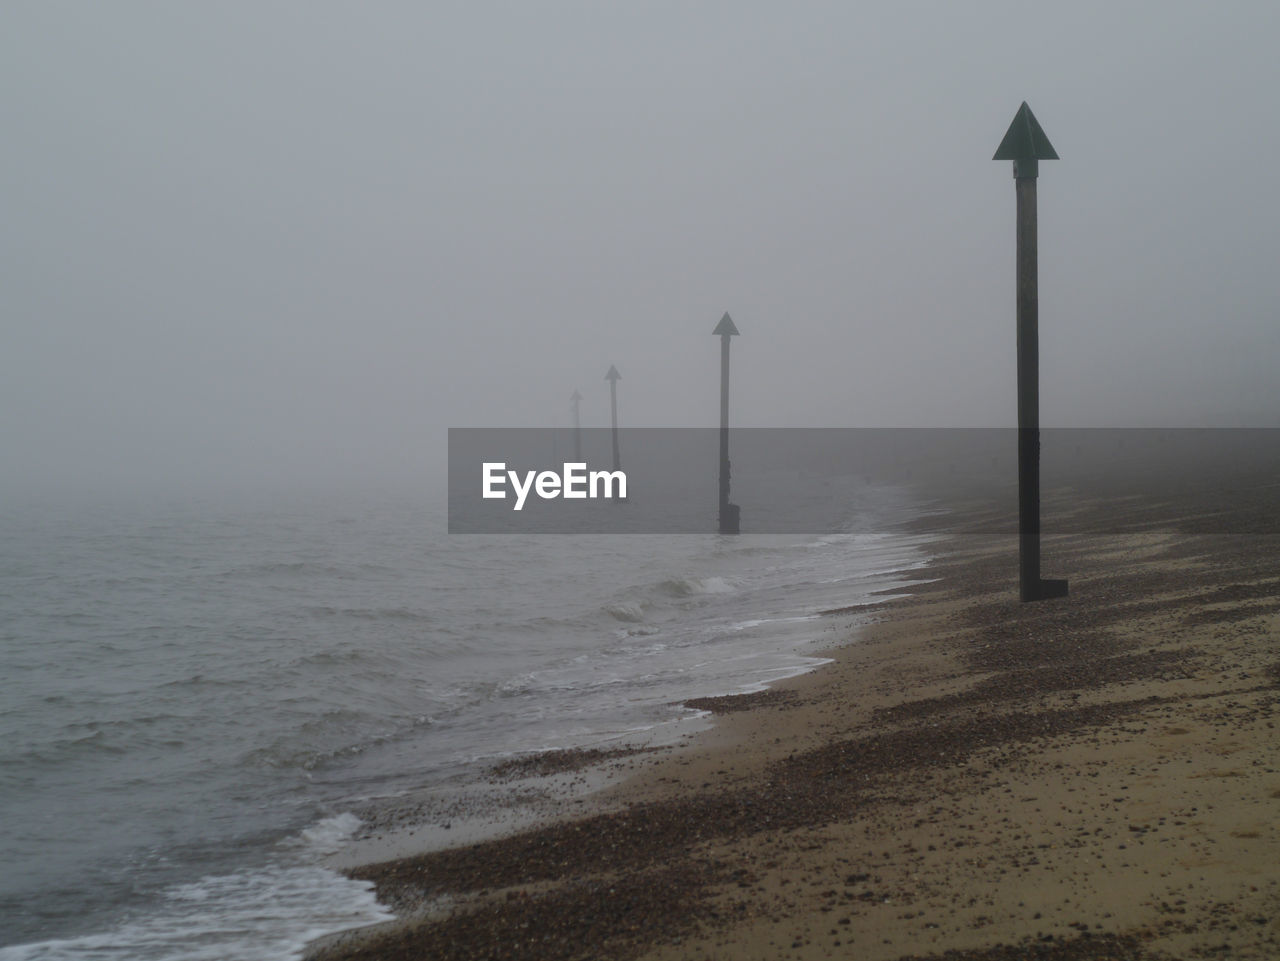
{"x":970,"y":778}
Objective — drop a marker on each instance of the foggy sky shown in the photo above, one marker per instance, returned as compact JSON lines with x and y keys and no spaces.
{"x":255,"y":242}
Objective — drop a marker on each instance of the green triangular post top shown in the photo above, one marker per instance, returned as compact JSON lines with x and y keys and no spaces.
{"x":1025,"y":144}
{"x":575,"y":398}
{"x":613,"y":374}
{"x":1025,"y":139}
{"x":725,"y":328}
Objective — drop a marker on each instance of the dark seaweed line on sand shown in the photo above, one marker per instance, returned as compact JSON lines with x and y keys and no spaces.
{"x":587,"y":918}
{"x":561,"y":761}
{"x":807,"y":789}
{"x":729,"y":703}
{"x":620,"y":893}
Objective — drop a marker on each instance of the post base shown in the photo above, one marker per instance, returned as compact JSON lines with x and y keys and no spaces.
{"x":729,"y":516}
{"x":1046,"y":589}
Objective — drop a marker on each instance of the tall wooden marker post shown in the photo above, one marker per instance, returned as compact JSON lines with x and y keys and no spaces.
{"x":1026,"y":145}
{"x":729,"y":513}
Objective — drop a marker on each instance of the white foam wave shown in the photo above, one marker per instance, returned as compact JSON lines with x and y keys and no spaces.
{"x":265,"y":915}
{"x":644,"y":630}
{"x":330,"y":834}
{"x":631,"y":613}
{"x":757,"y":621}
{"x":689,"y":586}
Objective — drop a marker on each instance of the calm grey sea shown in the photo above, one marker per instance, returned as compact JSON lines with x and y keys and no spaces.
{"x":198,"y":693}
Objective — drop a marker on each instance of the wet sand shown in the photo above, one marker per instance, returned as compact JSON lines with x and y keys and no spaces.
{"x":973,"y":778}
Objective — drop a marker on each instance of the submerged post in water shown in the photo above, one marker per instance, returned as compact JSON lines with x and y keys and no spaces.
{"x":1026,"y":145}
{"x":729,"y":513}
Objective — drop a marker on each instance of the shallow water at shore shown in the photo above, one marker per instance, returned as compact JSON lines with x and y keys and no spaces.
{"x":202,"y":692}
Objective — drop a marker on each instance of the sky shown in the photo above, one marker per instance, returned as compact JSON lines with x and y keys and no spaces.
{"x":261,"y":242}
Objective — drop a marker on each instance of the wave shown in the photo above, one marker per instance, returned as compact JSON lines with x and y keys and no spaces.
{"x":336,"y":735}
{"x":328,"y":835}
{"x":60,"y":751}
{"x":691,"y":586}
{"x":642,"y":630}
{"x":632,"y":613}
{"x":251,"y":916}
{"x":86,"y":739}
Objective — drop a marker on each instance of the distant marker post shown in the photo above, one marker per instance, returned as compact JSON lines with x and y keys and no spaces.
{"x":613,"y":377}
{"x":729,"y":513}
{"x":574,"y":401}
{"x":1026,"y":145}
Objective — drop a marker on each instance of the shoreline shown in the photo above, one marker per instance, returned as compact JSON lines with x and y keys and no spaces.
{"x":530,"y":789}
{"x":507,"y":793}
{"x":1093,"y":776}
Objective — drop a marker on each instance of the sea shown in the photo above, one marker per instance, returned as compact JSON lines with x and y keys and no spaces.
{"x":200,"y":694}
